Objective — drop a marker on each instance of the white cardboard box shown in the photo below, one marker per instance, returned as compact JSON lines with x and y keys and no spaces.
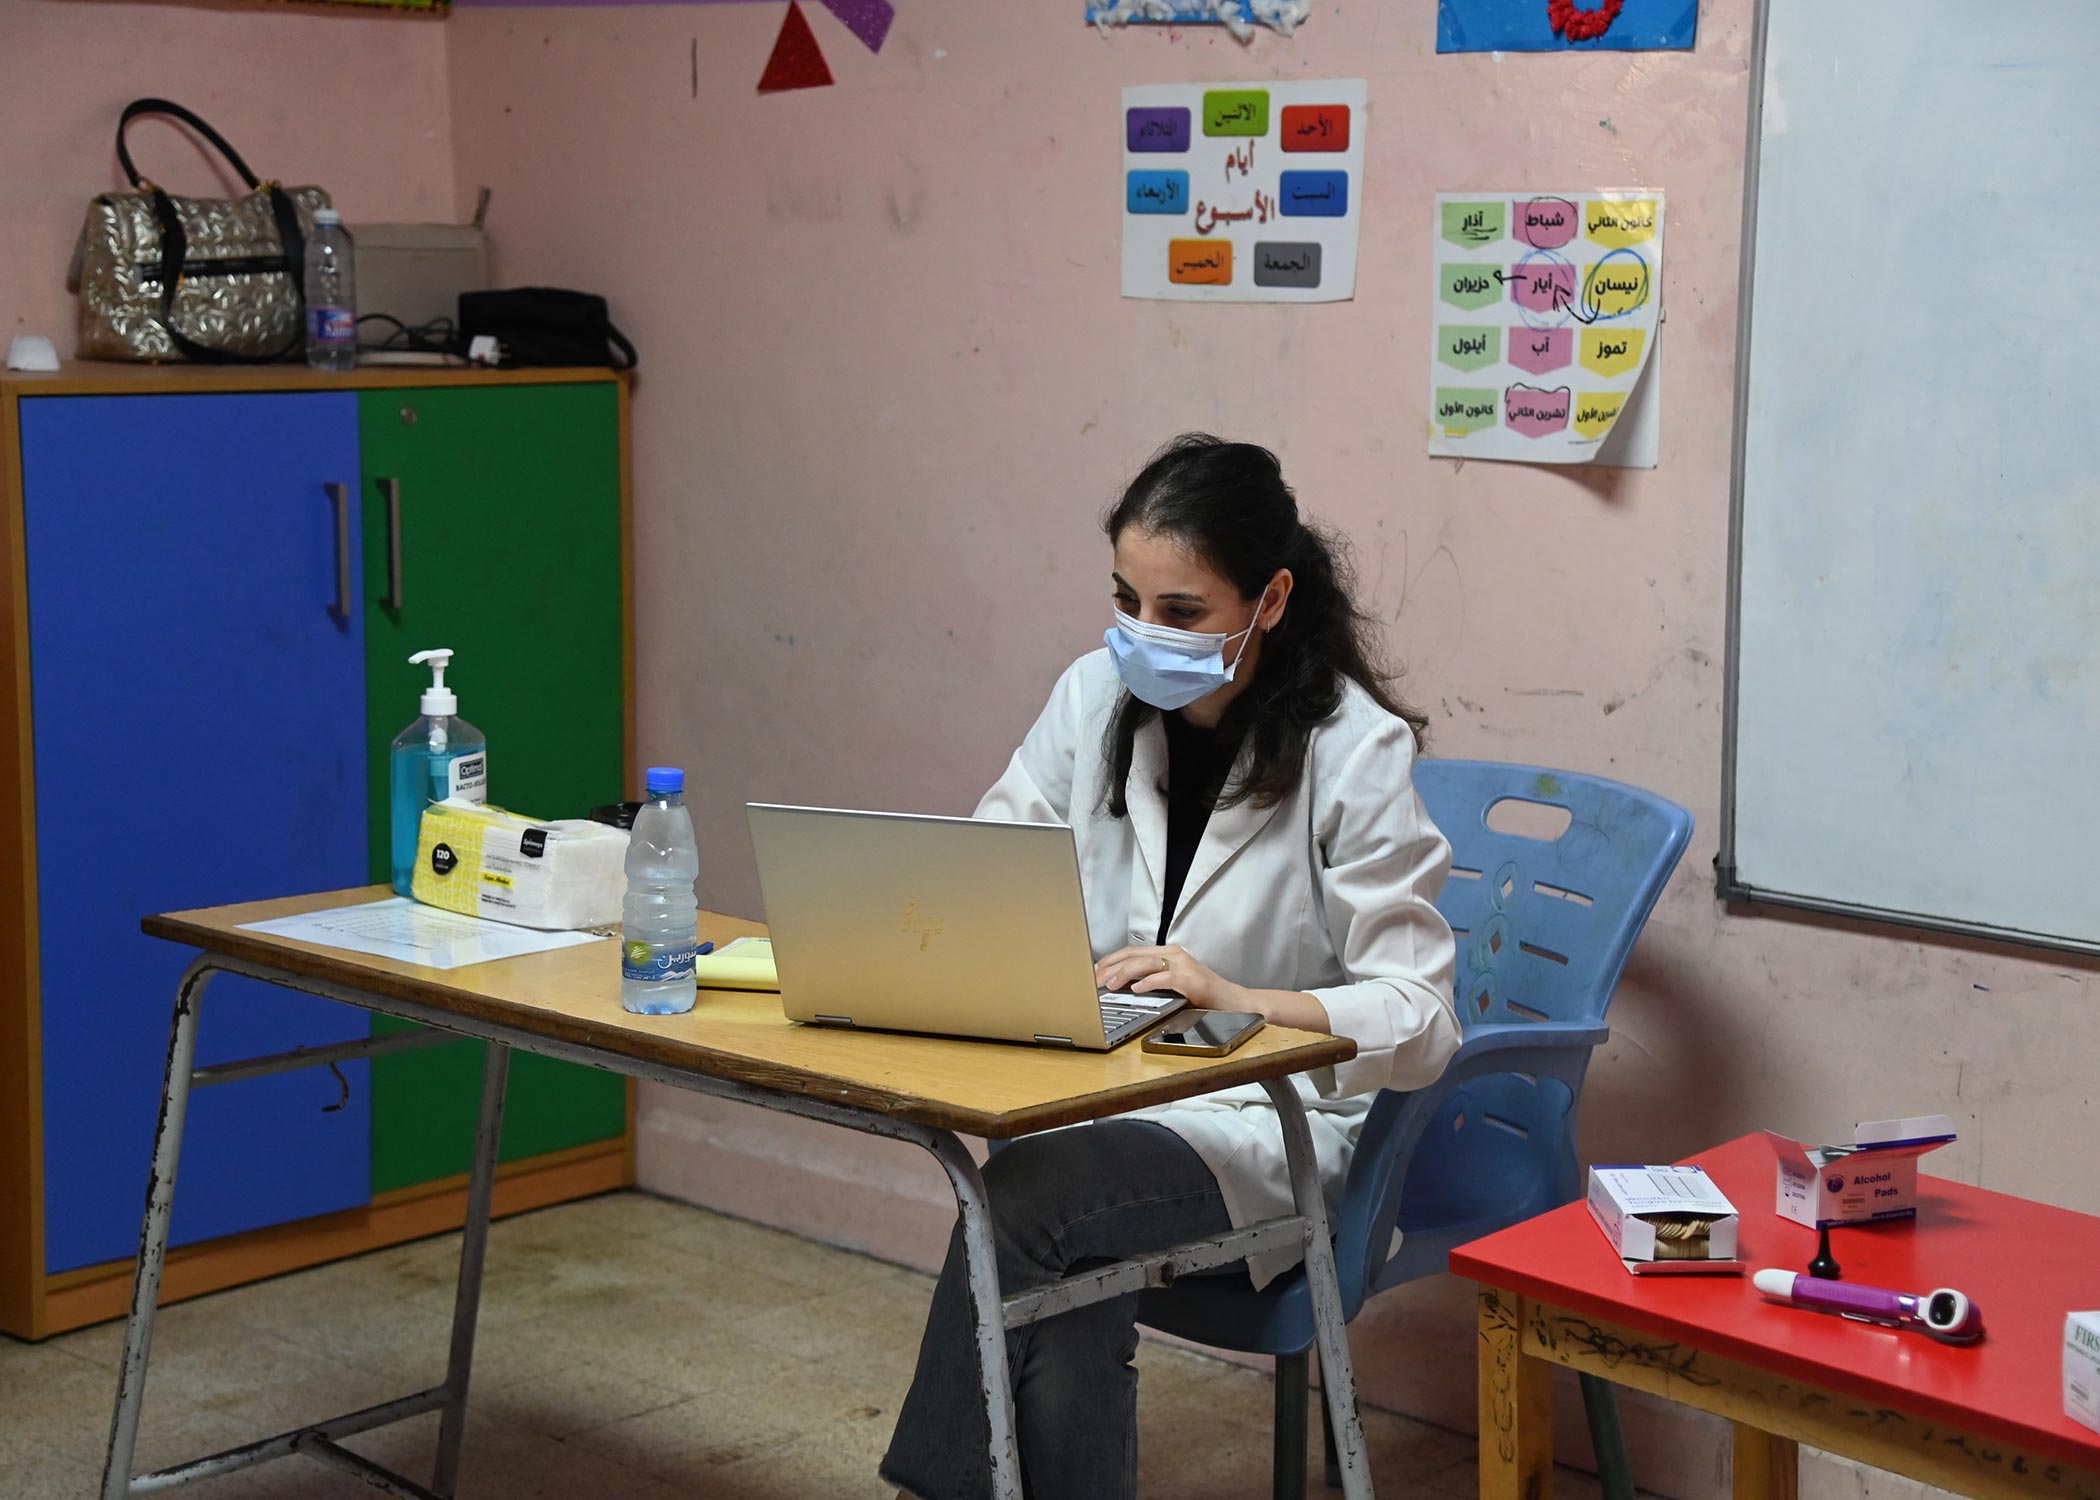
{"x":1619,"y":1196}
{"x":2082,"y":1368}
{"x":1875,"y":1178}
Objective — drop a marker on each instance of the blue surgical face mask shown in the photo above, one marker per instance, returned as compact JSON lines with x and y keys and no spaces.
{"x":1171,"y":668}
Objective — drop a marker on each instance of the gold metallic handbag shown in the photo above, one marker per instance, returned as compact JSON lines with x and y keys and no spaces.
{"x":221,"y":280}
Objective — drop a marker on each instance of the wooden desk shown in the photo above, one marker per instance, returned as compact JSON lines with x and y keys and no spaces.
{"x":734,"y":1045}
{"x":1984,"y":1420}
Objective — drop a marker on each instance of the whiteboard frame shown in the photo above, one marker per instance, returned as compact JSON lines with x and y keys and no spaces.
{"x":1729,"y":886}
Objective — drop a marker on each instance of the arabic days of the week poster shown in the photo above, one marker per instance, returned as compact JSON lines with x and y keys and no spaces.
{"x":1243,"y":192}
{"x":1544,"y":327}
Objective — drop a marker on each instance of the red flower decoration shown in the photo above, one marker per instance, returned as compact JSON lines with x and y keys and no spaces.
{"x":1582,"y":25}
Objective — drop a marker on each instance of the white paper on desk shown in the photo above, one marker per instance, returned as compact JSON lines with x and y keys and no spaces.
{"x":413,"y":933}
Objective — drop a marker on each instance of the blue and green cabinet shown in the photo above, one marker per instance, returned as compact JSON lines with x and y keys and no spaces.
{"x":214,"y":582}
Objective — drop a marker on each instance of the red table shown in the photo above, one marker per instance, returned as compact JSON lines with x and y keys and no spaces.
{"x":1985,"y":1420}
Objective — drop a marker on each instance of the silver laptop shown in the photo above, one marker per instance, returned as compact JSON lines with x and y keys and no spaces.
{"x":953,"y":926}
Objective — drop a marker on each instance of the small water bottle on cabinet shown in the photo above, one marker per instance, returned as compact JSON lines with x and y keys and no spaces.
{"x":658,"y":924}
{"x":331,"y":295}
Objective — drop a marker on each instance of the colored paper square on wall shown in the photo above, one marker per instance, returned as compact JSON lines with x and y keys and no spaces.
{"x":1468,"y":346}
{"x":1618,"y":223}
{"x":1613,"y":351}
{"x":1236,"y":112}
{"x":1316,"y":127}
{"x":1461,"y":409}
{"x":1199,"y":262}
{"x":1157,"y":193}
{"x":1537,"y":413}
{"x":1542,"y":284}
{"x":1277,"y":263}
{"x":1530,"y":26}
{"x":1596,"y":411}
{"x":1616,"y":285}
{"x":1468,"y":286}
{"x":1541,"y":351}
{"x":1313,"y":195}
{"x":1163,"y":129}
{"x":1471,"y":224}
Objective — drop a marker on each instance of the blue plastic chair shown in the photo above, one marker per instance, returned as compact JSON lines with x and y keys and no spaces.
{"x":1544,"y":929}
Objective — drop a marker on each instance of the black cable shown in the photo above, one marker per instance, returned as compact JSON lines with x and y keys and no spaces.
{"x":438,"y":336}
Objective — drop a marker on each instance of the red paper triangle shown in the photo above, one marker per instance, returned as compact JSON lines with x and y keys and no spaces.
{"x":797,"y":63}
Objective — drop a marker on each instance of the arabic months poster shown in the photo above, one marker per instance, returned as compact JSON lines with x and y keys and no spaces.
{"x":1543,"y":333}
{"x":1243,"y":192}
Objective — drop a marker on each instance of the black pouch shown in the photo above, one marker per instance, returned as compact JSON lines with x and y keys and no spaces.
{"x":544,"y":325}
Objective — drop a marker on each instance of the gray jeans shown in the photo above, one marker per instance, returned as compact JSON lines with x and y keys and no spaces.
{"x":1059,"y":1202}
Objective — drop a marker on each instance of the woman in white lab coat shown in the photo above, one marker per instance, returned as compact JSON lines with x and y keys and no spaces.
{"x":1236,"y":773}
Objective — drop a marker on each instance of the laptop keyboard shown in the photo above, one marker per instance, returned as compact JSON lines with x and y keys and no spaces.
{"x":1123,"y":1016}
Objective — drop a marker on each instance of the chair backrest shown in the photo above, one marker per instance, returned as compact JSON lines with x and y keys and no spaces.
{"x":1544,"y":929}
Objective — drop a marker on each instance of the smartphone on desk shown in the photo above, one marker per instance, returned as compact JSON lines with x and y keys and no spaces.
{"x":1204,"y":1033}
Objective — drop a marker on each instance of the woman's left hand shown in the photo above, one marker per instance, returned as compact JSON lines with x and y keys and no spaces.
{"x":1144,"y":971}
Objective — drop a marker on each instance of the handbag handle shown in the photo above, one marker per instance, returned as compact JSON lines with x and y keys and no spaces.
{"x":174,"y":242}
{"x":139,"y":107}
{"x":620,"y":339}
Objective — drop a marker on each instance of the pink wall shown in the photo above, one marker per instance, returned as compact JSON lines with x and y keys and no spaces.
{"x":353,"y":101}
{"x":888,"y":383}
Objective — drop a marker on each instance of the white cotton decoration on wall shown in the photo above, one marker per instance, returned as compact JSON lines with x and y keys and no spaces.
{"x":1240,"y":17}
{"x":1284,"y":15}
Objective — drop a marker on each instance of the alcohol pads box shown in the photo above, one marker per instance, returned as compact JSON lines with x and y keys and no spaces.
{"x":2082,"y":1368}
{"x":1665,"y":1220}
{"x":1875,"y":1178}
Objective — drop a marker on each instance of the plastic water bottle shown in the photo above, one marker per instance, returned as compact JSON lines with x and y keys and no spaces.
{"x":657,"y":936}
{"x":331,"y":295}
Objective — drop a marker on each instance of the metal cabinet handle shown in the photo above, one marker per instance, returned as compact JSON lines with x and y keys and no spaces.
{"x":391,"y":488}
{"x":339,"y":497}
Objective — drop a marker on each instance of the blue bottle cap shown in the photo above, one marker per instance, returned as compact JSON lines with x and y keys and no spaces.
{"x":665,"y":779}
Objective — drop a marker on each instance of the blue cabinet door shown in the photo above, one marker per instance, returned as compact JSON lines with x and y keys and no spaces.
{"x":199,"y":722}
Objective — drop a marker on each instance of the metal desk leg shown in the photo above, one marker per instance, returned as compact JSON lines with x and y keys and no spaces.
{"x":987,"y":1313}
{"x":473,"y":1248}
{"x":1337,"y":1374}
{"x":153,"y":1238}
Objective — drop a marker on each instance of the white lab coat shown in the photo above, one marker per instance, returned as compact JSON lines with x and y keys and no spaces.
{"x":1329,"y":892}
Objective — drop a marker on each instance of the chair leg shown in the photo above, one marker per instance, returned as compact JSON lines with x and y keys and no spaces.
{"x":1293,"y":1382}
{"x":1614,"y":1474}
{"x":1333,"y":1469}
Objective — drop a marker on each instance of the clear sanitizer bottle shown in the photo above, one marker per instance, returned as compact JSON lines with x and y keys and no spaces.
{"x":658,"y":936}
{"x":441,"y":755}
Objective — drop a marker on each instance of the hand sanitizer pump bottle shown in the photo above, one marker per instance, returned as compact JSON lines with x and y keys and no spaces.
{"x":439,"y":756}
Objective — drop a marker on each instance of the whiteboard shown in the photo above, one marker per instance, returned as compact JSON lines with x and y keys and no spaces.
{"x":1914,"y":705}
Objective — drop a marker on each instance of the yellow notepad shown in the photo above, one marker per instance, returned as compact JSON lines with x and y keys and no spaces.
{"x":746,"y":964}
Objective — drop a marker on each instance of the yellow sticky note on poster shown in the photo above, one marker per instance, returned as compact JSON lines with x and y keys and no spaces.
{"x":1613,"y":351}
{"x":1595,"y":412}
{"x":1616,"y":223}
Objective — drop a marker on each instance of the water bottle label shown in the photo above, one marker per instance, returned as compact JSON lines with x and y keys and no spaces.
{"x":331,"y":325}
{"x":657,"y":963}
{"x":467,"y":777}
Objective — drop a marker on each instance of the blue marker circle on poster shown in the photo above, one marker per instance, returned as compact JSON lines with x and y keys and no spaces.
{"x":1562,"y":310}
{"x":1589,"y":305}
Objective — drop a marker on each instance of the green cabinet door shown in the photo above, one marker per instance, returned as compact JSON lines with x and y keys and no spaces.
{"x":508,"y":551}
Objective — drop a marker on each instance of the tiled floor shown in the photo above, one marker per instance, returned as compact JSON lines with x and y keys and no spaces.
{"x":629,"y":1347}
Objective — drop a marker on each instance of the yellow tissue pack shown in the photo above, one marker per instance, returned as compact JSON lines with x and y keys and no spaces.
{"x":482,"y":861}
{"x":745,"y":964}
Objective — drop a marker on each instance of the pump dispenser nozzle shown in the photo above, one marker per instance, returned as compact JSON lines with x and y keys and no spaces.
{"x":437,"y":698}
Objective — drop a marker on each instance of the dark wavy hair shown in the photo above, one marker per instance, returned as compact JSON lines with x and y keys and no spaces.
{"x":1227,"y":504}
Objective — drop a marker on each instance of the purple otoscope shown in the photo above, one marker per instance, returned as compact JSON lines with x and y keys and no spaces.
{"x":1946,"y":1314}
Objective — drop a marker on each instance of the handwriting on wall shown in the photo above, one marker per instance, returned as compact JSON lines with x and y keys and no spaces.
{"x":1233,"y":164}
{"x":1551,"y":285}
